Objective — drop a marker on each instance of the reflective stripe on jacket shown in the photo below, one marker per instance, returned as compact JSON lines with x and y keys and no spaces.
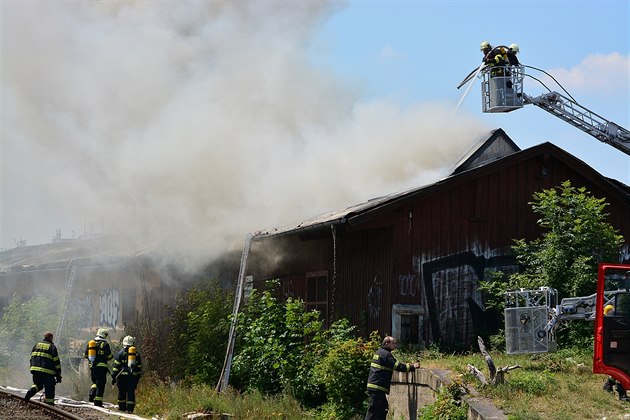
{"x":121,"y":367}
{"x":381,"y":369}
{"x":45,"y":359}
{"x":103,"y":353}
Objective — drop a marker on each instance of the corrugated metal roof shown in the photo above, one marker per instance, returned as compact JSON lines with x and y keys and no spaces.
{"x":61,"y":254}
{"x":466,"y":163}
{"x":341,"y":216}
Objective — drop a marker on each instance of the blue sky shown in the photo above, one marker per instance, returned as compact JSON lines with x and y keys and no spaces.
{"x":419,"y":51}
{"x":192,"y":123}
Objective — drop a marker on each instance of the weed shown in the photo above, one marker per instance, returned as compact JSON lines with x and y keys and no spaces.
{"x":532,"y":383}
{"x":447,"y":406}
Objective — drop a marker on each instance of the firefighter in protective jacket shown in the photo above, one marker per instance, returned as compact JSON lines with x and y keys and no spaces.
{"x":126,"y":373}
{"x":98,"y":354}
{"x":45,"y":368}
{"x":381,"y":369}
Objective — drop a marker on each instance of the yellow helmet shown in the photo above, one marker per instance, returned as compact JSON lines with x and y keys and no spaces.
{"x":608,"y":308}
{"x":485,"y":45}
{"x":102,"y":332}
{"x":514,"y":47}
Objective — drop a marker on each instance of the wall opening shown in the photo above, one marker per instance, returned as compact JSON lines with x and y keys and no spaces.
{"x":407,"y":322}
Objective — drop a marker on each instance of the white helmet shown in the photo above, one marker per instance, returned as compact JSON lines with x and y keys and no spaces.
{"x":102,"y":332}
{"x":485,"y":45}
{"x":129,"y":341}
{"x":514,"y":47}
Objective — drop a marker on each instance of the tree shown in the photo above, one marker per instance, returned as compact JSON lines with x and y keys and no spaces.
{"x":575,"y":239}
{"x":21,"y":326}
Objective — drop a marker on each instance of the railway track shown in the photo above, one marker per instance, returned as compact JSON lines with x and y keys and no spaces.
{"x":13,"y":407}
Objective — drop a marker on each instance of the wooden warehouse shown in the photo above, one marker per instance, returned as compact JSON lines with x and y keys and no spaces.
{"x":409,"y":263}
{"x":94,"y":283}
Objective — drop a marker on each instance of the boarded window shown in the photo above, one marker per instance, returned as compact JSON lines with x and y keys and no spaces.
{"x":317,"y":293}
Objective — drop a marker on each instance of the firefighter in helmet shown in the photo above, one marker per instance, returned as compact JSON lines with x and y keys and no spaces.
{"x":513,"y":49}
{"x":45,"y":368}
{"x":98,"y":354}
{"x":485,"y":48}
{"x":126,"y":373}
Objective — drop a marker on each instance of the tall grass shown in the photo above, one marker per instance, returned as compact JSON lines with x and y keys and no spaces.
{"x":547,"y":386}
{"x":170,"y":401}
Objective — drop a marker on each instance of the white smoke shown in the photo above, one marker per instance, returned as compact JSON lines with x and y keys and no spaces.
{"x":192,"y":123}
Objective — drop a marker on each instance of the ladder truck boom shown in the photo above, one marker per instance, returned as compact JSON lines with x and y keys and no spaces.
{"x":503,"y":92}
{"x":586,"y":120}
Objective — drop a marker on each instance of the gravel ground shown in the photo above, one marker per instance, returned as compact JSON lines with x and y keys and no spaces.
{"x":12,"y":408}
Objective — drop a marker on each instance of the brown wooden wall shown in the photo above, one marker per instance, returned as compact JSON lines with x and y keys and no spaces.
{"x":431,"y":249}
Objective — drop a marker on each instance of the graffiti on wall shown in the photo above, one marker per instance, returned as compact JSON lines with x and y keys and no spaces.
{"x":451,"y":291}
{"x":375,"y":296}
{"x":82,"y":310}
{"x":624,"y":254}
{"x":408,"y":284}
{"x":109,"y":307}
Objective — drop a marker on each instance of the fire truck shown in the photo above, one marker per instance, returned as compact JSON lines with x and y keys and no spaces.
{"x":533,"y":316}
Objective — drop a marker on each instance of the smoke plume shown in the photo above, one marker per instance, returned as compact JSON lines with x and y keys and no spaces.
{"x":189,"y":124}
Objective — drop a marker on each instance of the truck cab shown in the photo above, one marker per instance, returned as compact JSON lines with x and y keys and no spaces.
{"x":611,"y":355}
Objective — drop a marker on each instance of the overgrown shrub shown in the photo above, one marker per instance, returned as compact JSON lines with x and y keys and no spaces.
{"x":343,"y":372}
{"x":150,"y":338}
{"x":277,"y":345}
{"x":447,"y":406}
{"x":199,"y":325}
{"x":283,"y":348}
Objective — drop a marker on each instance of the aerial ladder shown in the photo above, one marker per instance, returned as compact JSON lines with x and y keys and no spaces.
{"x":504,"y":93}
{"x":532,"y":316}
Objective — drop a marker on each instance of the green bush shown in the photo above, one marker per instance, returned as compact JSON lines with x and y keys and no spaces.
{"x":199,"y":327}
{"x":343,"y":371}
{"x":447,"y":406}
{"x":281,"y":347}
{"x":277,"y":346}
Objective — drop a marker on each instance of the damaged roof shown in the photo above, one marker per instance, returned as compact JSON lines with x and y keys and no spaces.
{"x":496,"y":147}
{"x":61,"y":254}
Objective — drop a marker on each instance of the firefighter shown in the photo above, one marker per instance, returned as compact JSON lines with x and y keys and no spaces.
{"x":611,"y":383}
{"x":98,"y":354}
{"x":45,"y":368}
{"x":513,"y":49}
{"x":485,"y":48}
{"x":497,"y":58}
{"x":380,"y":378}
{"x":126,"y":373}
